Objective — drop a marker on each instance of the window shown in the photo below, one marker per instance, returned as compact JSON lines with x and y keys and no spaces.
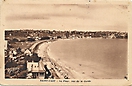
{"x":41,"y":74}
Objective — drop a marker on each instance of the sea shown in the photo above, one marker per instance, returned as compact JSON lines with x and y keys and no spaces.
{"x":93,"y":58}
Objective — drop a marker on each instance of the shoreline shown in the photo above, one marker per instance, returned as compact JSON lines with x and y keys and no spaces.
{"x":60,"y":66}
{"x":93,"y":69}
{"x":89,"y":71}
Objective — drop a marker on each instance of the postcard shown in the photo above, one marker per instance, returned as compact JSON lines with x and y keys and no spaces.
{"x":58,"y":42}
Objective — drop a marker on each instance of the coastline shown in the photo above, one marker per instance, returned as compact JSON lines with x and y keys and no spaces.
{"x":63,"y":66}
{"x":74,"y":74}
{"x":74,"y":70}
{"x":85,"y":69}
{"x":59,"y":66}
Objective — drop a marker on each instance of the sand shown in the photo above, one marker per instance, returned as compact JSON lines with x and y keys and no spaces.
{"x":99,"y":66}
{"x":92,"y":70}
{"x":44,"y":52}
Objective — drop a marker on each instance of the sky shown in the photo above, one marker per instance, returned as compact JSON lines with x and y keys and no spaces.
{"x":86,"y":17}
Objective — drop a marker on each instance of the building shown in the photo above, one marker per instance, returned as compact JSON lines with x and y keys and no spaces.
{"x":5,"y":44}
{"x":27,"y":52}
{"x":35,"y":69}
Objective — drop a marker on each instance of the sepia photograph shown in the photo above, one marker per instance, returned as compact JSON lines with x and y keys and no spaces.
{"x":59,"y":42}
{"x":45,"y":54}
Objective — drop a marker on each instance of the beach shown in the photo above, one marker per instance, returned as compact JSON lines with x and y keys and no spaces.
{"x":82,"y":68}
{"x":60,"y":68}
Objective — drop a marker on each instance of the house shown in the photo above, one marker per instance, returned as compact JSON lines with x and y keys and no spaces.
{"x":112,"y":36}
{"x":27,"y":52}
{"x":35,"y":69}
{"x":5,"y":45}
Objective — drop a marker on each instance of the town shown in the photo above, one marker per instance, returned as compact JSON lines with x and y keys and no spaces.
{"x":21,"y":57}
{"x":48,"y":34}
